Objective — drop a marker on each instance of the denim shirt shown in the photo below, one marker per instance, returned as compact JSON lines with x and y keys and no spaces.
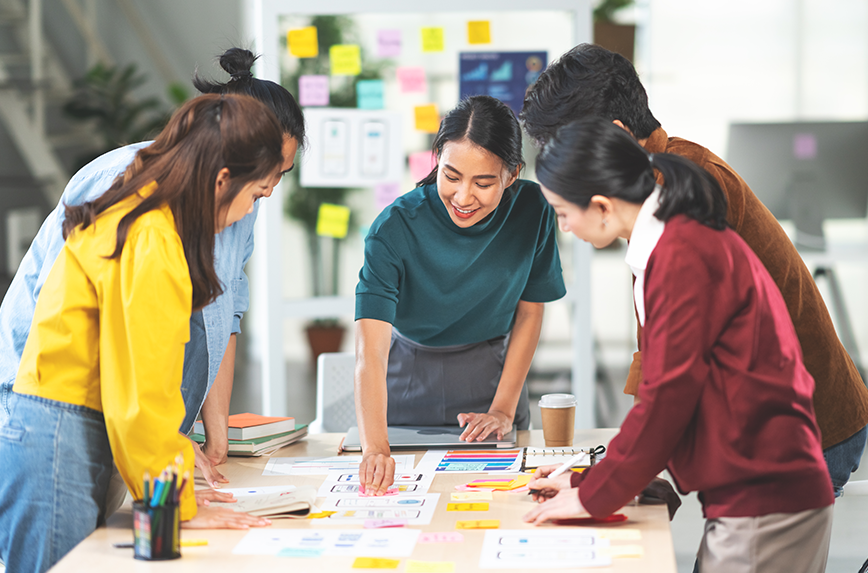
{"x":209,"y":329}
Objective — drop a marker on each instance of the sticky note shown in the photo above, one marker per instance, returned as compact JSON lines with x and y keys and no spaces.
{"x":384,"y":523}
{"x":619,"y":534}
{"x":472,"y":496}
{"x":634,"y":551}
{"x":313,"y":90}
{"x":389,"y":43}
{"x":466,"y":507}
{"x":345,"y":60}
{"x":333,"y":220}
{"x":440,"y":537}
{"x":411,"y":79}
{"x":478,"y":524}
{"x":369,"y":94}
{"x":375,"y":563}
{"x":421,"y":164}
{"x":413,"y":566}
{"x":385,"y":194}
{"x":427,"y":118}
{"x":320,"y":515}
{"x":303,"y":42}
{"x":193,"y":542}
{"x":432,"y":39}
{"x":300,"y":552}
{"x":478,"y":32}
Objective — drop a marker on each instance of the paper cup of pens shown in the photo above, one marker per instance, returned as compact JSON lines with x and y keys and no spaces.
{"x":558,"y":419}
{"x":156,"y":518}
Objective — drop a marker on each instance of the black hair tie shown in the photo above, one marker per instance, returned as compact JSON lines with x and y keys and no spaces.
{"x":240,"y":75}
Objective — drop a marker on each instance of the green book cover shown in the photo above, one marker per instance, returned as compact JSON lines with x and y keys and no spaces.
{"x":199,"y":438}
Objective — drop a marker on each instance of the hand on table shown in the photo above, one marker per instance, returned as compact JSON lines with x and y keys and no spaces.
{"x":376,"y":472}
{"x":564,"y":505}
{"x":480,"y":426}
{"x":209,"y":470}
{"x":204,"y":497}
{"x":223,"y":518}
{"x":548,"y":488}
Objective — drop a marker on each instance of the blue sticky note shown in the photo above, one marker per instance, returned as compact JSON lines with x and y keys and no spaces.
{"x":300,"y":552}
{"x":369,"y":94}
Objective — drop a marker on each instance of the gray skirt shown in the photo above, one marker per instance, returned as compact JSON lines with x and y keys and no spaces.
{"x":431,"y":385}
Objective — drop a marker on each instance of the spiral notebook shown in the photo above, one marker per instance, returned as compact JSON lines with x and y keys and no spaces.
{"x":536,"y":457}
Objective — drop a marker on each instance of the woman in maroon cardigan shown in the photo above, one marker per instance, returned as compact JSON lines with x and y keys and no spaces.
{"x":725,"y":404}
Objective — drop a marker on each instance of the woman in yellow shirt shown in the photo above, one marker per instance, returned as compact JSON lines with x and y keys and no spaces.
{"x":100,"y":377}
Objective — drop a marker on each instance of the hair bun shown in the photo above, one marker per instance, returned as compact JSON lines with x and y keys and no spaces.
{"x":237,"y":62}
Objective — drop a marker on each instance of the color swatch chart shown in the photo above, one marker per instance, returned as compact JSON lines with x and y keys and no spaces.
{"x":480,"y":460}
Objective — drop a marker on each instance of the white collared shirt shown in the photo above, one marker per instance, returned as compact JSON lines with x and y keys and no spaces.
{"x":646,"y":232}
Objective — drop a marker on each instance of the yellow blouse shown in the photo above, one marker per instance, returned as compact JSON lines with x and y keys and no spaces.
{"x":109,"y":334}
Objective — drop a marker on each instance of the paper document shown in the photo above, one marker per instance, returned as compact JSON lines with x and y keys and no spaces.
{"x":416,"y":509}
{"x":534,"y":549}
{"x":394,"y":542}
{"x":324,"y":466}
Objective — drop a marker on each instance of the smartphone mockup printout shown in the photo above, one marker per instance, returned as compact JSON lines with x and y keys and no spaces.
{"x":374,"y":147}
{"x":335,"y":148}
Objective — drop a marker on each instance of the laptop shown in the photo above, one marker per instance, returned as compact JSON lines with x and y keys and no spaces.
{"x":428,"y":437}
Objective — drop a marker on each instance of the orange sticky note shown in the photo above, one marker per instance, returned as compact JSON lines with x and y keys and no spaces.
{"x":478,"y":32}
{"x":303,"y":42}
{"x":375,"y":563}
{"x":466,"y":507}
{"x":427,"y":118}
{"x":345,"y":60}
{"x":478,"y":524}
{"x":432,"y":39}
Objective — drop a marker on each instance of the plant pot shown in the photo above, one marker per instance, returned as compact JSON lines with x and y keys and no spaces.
{"x":618,"y":38}
{"x":324,"y":338}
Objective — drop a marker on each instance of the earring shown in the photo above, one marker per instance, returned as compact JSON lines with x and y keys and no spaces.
{"x":605,"y":223}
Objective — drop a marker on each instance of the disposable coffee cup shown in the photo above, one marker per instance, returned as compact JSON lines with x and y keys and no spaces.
{"x":558,"y":419}
{"x":155,"y":532}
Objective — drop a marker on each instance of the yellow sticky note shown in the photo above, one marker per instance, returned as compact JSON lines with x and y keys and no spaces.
{"x":345,"y":59}
{"x":432,"y":39}
{"x":413,"y":566}
{"x":478,"y":32}
{"x":375,"y":563}
{"x":466,"y":507}
{"x":193,"y":542}
{"x":427,"y":118}
{"x":320,"y":515}
{"x":333,"y":220}
{"x":617,"y":534}
{"x":303,"y":42}
{"x":634,"y":551}
{"x":472,"y":496}
{"x":478,"y":524}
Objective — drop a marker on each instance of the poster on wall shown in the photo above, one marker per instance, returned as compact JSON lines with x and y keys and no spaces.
{"x":504,"y":75}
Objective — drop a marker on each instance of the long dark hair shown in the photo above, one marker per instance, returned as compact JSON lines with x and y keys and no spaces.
{"x":485,"y":121}
{"x":237,"y":62}
{"x":595,"y":157}
{"x":205,"y":135}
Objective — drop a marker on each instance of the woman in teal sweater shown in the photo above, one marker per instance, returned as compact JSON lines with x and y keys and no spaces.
{"x":450,"y":299}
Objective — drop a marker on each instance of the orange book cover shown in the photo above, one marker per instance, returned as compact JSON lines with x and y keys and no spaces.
{"x":247,"y":420}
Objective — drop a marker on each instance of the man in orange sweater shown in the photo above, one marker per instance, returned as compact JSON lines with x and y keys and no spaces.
{"x":592,"y":81}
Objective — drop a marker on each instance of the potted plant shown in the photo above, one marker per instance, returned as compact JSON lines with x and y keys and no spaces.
{"x":619,"y":38}
{"x":303,"y":203}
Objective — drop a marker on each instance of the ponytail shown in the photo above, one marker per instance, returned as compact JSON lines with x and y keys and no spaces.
{"x":595,"y":157}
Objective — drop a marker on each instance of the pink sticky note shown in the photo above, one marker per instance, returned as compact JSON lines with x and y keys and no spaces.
{"x":385,"y":193}
{"x":421,"y":164}
{"x":440,"y":537}
{"x":313,"y":90}
{"x":381,"y":523}
{"x":389,"y":43}
{"x":804,"y":146}
{"x":412,"y":79}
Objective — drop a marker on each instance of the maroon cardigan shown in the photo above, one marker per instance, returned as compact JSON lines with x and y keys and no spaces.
{"x":726,"y":403}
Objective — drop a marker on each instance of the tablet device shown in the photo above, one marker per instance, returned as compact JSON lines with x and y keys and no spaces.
{"x":428,"y":437}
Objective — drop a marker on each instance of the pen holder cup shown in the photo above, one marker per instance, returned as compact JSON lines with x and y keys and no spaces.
{"x":155,"y":532}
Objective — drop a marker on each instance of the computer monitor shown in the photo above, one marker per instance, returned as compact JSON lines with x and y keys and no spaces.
{"x":804,"y":171}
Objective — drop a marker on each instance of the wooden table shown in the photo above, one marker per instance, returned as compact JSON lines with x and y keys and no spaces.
{"x":96,"y":554}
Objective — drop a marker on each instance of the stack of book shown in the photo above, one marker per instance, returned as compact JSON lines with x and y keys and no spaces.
{"x":255,"y":435}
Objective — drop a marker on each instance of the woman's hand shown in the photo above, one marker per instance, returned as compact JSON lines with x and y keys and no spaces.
{"x":564,"y":505}
{"x":204,"y":497}
{"x":376,"y":472}
{"x":214,"y":478}
{"x":548,"y":488}
{"x":480,"y":426}
{"x":223,"y":518}
{"x":216,"y":455}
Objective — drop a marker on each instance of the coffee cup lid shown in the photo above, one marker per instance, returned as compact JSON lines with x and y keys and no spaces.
{"x":557,"y":401}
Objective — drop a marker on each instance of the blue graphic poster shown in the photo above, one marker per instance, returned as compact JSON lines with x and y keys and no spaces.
{"x":504,"y":75}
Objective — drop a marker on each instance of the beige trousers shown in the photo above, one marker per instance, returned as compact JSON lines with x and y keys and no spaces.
{"x":779,"y":542}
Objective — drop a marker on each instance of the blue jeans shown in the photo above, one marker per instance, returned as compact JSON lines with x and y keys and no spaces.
{"x":843,"y":458}
{"x":56,"y":468}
